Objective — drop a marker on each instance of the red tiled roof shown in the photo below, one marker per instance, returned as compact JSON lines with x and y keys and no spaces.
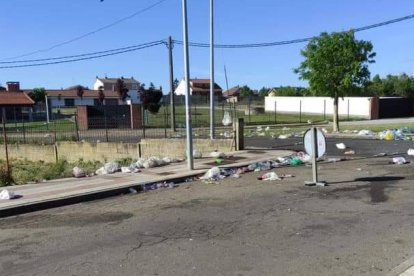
{"x":235,"y":91}
{"x":86,"y":94}
{"x":15,"y":98}
{"x":200,"y":81}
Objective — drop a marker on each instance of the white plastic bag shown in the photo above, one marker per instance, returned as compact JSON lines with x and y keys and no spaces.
{"x":6,"y":194}
{"x":226,"y":119}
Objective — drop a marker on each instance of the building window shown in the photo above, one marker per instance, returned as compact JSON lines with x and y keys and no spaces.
{"x":134,"y":87}
{"x":69,"y":102}
{"x":111,"y":101}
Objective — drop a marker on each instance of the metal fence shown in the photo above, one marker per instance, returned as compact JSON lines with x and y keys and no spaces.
{"x":62,"y":124}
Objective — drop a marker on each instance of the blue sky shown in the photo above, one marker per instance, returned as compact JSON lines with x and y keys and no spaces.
{"x":29,"y":25}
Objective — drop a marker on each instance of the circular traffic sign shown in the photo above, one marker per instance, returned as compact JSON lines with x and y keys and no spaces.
{"x":320,"y":142}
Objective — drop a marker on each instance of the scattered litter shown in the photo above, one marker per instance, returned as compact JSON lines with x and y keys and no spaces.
{"x":269,"y":176}
{"x":380,"y":154}
{"x":159,"y":185}
{"x":213,"y":173}
{"x":217,"y":154}
{"x":349,"y":152}
{"x":78,"y":172}
{"x":132,"y":190}
{"x":284,"y":136}
{"x":6,"y":194}
{"x":399,"y":160}
{"x":333,"y":160}
{"x":366,"y":132}
{"x":410,"y":152}
{"x":295,"y":161}
{"x":340,"y":146}
{"x":130,"y":169}
{"x":111,"y":167}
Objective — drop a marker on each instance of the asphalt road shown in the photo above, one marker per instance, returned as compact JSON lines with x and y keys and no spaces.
{"x":361,"y":224}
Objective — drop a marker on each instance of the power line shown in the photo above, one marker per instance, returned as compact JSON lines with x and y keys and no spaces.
{"x":82,"y":58}
{"x":89,"y":33}
{"x":82,"y":55}
{"x":294,"y":41}
{"x":100,"y":54}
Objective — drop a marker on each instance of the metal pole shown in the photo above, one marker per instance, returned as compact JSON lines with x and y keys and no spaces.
{"x":172,"y":102}
{"x":211,"y":70}
{"x":47,"y":109}
{"x":314,"y":156}
{"x":190,"y":161}
{"x":324,"y":110}
{"x":300,"y":111}
{"x":275,"y":112}
{"x":3,"y":120}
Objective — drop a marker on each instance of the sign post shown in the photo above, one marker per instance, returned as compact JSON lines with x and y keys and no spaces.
{"x":315,"y":146}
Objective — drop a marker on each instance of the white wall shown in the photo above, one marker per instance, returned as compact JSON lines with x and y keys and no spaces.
{"x":97,"y":84}
{"x":358,"y":106}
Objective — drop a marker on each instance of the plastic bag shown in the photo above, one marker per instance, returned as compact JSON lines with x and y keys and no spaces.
{"x":226,"y":119}
{"x":270,"y":176}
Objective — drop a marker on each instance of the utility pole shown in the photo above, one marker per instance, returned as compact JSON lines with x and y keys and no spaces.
{"x":211,"y":71}
{"x":172,"y":100}
{"x":6,"y":151}
{"x":187,"y":90}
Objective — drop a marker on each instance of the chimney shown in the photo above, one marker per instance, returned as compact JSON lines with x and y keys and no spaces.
{"x":13,"y":86}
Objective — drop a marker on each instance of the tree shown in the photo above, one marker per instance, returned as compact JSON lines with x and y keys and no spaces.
{"x":335,"y":64}
{"x":245,"y":91}
{"x":38,"y":95}
{"x":150,"y":98}
{"x":264,"y":91}
{"x":121,"y":89}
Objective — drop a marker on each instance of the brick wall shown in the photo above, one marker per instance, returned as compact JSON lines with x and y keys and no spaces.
{"x":82,"y":117}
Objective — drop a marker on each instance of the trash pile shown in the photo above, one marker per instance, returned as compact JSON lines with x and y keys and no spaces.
{"x":159,"y":185}
{"x":216,"y":173}
{"x":135,"y":167}
{"x":397,"y":134}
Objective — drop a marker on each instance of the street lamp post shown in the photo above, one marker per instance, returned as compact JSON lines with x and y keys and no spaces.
{"x":190,"y":161}
{"x":211,"y":70}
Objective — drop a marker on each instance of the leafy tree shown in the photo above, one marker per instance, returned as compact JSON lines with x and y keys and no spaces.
{"x":335,"y":64}
{"x":150,"y":98}
{"x":264,"y":91}
{"x":121,"y":89}
{"x":400,"y":86}
{"x":38,"y":95}
{"x":245,"y":91}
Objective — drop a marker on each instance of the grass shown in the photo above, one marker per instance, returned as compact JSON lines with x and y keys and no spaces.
{"x":25,"y":171}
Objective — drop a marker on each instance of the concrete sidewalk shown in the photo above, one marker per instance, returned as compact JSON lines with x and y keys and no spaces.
{"x":67,"y":191}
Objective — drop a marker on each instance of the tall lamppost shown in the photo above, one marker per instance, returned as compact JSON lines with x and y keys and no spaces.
{"x":190,"y":161}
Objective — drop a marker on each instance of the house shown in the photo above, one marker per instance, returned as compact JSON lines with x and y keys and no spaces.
{"x":232,"y":92}
{"x":198,"y":87}
{"x":70,"y":98}
{"x":109,"y":84}
{"x":15,"y":103}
